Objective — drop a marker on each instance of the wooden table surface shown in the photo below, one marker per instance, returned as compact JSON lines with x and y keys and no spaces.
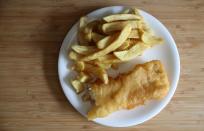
{"x":31,"y":33}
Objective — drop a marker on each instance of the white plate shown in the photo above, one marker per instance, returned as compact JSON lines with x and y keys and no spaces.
{"x":167,"y":53}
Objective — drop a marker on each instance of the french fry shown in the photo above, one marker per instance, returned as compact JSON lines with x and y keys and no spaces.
{"x":103,"y":44}
{"x":136,"y":11}
{"x":101,"y":64}
{"x":89,"y":29}
{"x":124,"y":46}
{"x":106,"y":41}
{"x":109,"y":39}
{"x":84,"y":50}
{"x":109,"y":59}
{"x":79,"y":66}
{"x":83,"y":22}
{"x":118,"y":25}
{"x":97,"y":71}
{"x":97,"y":37}
{"x":131,"y":53}
{"x":119,"y":17}
{"x":134,"y":34}
{"x":74,"y":56}
{"x":151,"y":40}
{"x":113,"y":46}
{"x":81,"y":36}
{"x":77,"y":85}
{"x":82,"y":77}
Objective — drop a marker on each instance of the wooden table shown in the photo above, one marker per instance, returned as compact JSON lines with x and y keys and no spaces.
{"x":31,"y":33}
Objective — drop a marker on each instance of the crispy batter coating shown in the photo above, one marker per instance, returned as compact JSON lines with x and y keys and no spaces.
{"x":145,"y":82}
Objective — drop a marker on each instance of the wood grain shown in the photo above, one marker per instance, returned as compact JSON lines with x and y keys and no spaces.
{"x":31,"y":33}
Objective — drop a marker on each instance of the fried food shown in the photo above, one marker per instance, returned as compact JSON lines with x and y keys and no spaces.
{"x":122,"y":37}
{"x":145,"y":82}
{"x":84,"y":50}
{"x":151,"y":40}
{"x":104,"y":43}
{"x":78,"y":87}
{"x":109,"y":28}
{"x":118,"y":17}
{"x":131,"y":53}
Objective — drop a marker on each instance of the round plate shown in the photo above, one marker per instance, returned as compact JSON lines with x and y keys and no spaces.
{"x":167,"y":53}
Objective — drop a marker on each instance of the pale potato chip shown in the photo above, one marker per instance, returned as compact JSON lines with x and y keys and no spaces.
{"x":101,"y":64}
{"x":113,"y":46}
{"x":81,"y":36}
{"x":74,"y":56}
{"x":77,"y":85}
{"x":97,"y":37}
{"x":97,"y":71}
{"x":118,"y":25}
{"x":134,"y":34}
{"x":82,"y":77}
{"x":83,"y":22}
{"x":151,"y":40}
{"x":84,"y":50}
{"x":103,"y":44}
{"x":124,"y":46}
{"x":134,"y":51}
{"x":88,"y":29}
{"x":106,"y":41}
{"x":79,"y":66}
{"x":109,"y":39}
{"x":119,"y":17}
{"x":136,"y":12}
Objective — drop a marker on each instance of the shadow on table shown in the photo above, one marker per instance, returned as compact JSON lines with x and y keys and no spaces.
{"x":57,"y":25}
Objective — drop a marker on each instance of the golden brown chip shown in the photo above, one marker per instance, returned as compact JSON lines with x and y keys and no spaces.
{"x":113,"y":46}
{"x":134,"y":51}
{"x":119,"y":17}
{"x":84,"y":50}
{"x":118,"y":25}
{"x":77,"y":85}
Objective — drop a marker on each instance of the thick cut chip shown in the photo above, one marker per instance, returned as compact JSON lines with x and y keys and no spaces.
{"x":109,"y":59}
{"x":77,"y":85}
{"x":135,"y":11}
{"x":97,"y":71}
{"x":97,"y":37}
{"x":81,"y":36}
{"x":109,"y":39}
{"x":131,"y":53}
{"x":79,"y":66}
{"x":118,"y":25}
{"x":134,"y":34}
{"x":82,"y":77}
{"x":89,"y":29}
{"x":118,"y":17}
{"x":106,"y":41}
{"x":74,"y":56}
{"x":83,"y":22}
{"x":124,"y":46}
{"x":113,"y":46}
{"x":84,"y":50}
{"x":102,"y":65}
{"x":151,"y":40}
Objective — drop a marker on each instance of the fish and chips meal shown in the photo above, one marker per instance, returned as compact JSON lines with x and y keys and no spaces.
{"x":104,"y":44}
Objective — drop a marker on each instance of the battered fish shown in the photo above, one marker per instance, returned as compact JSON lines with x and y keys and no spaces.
{"x":146,"y":81}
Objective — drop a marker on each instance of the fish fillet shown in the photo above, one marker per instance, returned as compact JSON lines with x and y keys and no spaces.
{"x":146,"y":81}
